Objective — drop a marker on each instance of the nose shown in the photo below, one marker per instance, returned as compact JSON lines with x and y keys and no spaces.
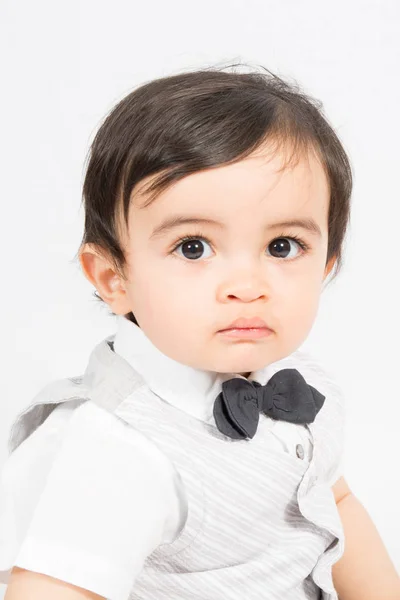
{"x":246,"y":286}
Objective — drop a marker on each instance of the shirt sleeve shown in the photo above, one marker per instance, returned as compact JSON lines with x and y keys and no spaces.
{"x":107,"y":501}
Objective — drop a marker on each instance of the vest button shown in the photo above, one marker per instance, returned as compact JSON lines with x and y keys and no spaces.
{"x":300,"y":451}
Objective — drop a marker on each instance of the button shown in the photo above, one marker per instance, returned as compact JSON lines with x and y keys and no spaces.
{"x":300,"y":451}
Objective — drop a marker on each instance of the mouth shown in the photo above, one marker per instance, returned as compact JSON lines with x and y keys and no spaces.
{"x":247,"y":328}
{"x":249,"y":333}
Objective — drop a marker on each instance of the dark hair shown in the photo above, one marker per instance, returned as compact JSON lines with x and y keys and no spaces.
{"x":177,"y":125}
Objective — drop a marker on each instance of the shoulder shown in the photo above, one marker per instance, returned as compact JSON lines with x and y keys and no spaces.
{"x":31,"y":459}
{"x":86,"y":480}
{"x":82,"y":428}
{"x":113,"y":463}
{"x":93,"y":429}
{"x":81,"y":444}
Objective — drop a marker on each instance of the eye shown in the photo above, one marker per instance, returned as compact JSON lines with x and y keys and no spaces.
{"x":285,"y":247}
{"x":192,"y":248}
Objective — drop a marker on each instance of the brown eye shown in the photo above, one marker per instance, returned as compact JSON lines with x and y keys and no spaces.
{"x":284,"y":247}
{"x":193,"y":248}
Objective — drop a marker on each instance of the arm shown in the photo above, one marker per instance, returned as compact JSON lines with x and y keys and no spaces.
{"x":27,"y":585}
{"x":365,"y":570}
{"x":103,"y":507}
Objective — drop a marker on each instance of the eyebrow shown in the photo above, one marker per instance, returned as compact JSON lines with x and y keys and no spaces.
{"x":172,"y":222}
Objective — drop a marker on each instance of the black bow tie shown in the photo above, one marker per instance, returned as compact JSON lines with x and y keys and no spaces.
{"x":286,"y":397}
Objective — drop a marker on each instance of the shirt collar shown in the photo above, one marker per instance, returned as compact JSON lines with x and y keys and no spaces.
{"x":189,"y":389}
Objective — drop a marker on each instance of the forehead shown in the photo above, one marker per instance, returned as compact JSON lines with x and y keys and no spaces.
{"x":261,"y":184}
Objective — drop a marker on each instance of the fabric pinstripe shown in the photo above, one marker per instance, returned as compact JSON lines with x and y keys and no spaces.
{"x":261,"y":524}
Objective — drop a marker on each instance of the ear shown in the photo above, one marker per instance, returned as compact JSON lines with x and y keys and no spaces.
{"x":102,"y":275}
{"x":329,"y":266}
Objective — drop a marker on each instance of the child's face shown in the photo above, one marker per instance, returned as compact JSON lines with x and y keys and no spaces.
{"x":182,"y":303}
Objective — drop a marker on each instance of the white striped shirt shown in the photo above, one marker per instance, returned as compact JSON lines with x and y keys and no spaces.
{"x":96,"y":441}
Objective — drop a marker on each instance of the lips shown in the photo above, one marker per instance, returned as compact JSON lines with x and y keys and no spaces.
{"x":254,"y":323}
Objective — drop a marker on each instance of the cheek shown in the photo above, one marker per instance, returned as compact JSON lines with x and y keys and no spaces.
{"x":161,"y":297}
{"x":299,"y":293}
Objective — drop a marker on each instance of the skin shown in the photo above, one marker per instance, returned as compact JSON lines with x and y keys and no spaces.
{"x":237,"y":274}
{"x":182,"y":303}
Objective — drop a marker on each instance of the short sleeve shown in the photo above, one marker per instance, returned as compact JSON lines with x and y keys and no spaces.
{"x":103,"y":508}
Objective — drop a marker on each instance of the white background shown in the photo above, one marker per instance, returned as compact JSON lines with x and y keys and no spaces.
{"x":65,"y":64}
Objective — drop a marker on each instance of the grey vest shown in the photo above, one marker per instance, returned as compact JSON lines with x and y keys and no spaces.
{"x":261,"y":524}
